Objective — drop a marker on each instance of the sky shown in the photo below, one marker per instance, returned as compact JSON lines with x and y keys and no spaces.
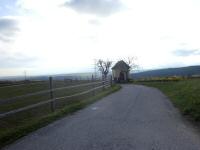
{"x":67,"y":36}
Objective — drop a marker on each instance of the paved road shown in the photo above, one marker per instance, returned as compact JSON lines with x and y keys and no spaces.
{"x":134,"y":118}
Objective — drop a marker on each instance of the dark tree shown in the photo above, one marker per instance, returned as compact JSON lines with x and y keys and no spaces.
{"x":131,"y":61}
{"x":104,"y":67}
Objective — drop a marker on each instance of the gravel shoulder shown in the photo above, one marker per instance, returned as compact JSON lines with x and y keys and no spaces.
{"x":134,"y":118}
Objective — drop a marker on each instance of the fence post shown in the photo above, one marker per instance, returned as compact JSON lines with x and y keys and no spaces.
{"x":103,"y":84}
{"x":93,"y":86}
{"x":51,"y":94}
{"x":111,"y":80}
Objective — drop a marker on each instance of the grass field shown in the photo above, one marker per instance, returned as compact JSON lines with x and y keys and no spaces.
{"x":13,"y":91}
{"x":15,"y":126}
{"x":185,"y":94}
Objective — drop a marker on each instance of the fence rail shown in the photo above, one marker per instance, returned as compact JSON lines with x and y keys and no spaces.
{"x":52,"y":100}
{"x":9,"y":100}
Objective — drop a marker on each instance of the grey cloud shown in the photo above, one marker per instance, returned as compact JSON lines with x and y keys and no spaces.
{"x":8,"y":28}
{"x":94,"y":22}
{"x":15,"y":60}
{"x":186,"y":52}
{"x":96,"y":7}
{"x":4,"y":39}
{"x":183,"y":44}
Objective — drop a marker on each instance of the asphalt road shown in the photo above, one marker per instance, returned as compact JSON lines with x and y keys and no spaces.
{"x":134,"y":118}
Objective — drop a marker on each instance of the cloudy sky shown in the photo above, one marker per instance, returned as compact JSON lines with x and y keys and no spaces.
{"x":64,"y":36}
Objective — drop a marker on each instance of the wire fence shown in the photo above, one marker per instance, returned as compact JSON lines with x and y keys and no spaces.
{"x":90,"y":87}
{"x":9,"y":100}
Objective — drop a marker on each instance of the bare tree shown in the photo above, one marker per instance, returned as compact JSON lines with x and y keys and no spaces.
{"x":104,"y":67}
{"x":131,"y":61}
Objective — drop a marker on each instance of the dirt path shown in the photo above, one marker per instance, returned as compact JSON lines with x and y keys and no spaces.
{"x":134,"y":118}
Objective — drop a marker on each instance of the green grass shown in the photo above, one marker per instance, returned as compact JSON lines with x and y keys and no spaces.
{"x":9,"y":92}
{"x":28,"y":125}
{"x":184,"y":94}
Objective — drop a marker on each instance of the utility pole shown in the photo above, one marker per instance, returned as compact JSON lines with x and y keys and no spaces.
{"x":25,"y":75}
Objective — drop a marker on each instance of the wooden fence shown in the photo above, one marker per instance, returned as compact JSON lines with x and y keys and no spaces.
{"x":52,"y":100}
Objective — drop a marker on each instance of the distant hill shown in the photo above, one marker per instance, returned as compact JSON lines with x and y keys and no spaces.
{"x":183,"y":71}
{"x":74,"y":76}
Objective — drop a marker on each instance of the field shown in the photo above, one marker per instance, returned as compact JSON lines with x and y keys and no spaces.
{"x":184,"y":93}
{"x":7,"y":93}
{"x":16,"y":125}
